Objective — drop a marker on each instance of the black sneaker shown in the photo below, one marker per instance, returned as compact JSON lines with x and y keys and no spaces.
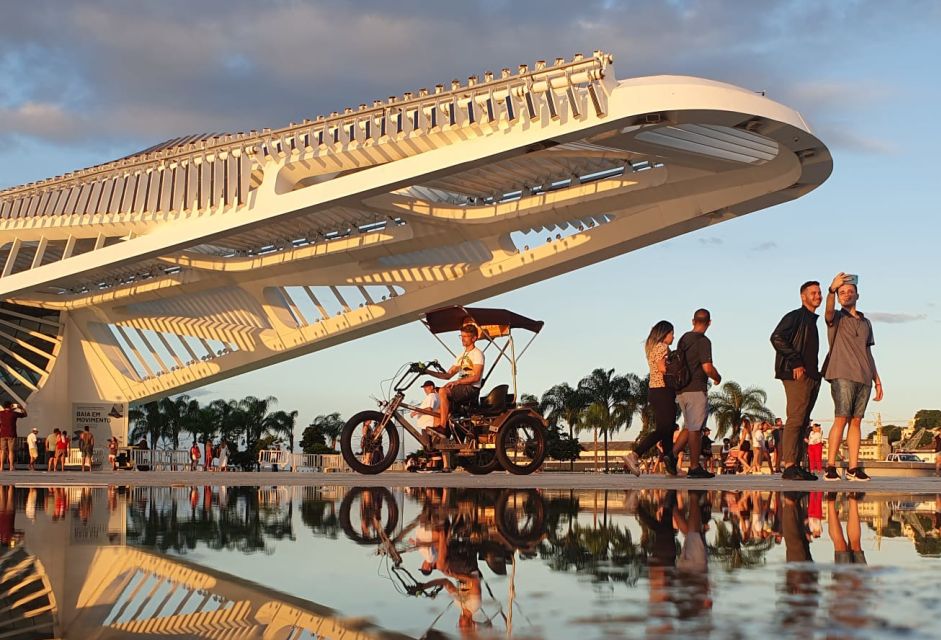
{"x":831,"y":474}
{"x":857,"y":474}
{"x":792,"y":473}
{"x":669,"y":461}
{"x":806,"y":475}
{"x":700,"y":473}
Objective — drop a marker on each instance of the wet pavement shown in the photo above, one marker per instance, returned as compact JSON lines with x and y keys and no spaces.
{"x":546,"y":480}
{"x":334,"y":561}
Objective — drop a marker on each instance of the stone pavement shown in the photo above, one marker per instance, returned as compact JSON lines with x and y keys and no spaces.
{"x":888,"y":485}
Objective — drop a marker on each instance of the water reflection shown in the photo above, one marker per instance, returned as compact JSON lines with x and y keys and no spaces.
{"x":270,"y":562}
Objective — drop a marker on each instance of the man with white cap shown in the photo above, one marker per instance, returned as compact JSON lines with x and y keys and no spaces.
{"x":32,"y":441}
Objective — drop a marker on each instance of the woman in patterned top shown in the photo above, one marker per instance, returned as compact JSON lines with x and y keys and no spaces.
{"x":660,"y":397}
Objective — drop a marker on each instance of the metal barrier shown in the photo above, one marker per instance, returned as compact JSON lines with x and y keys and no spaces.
{"x":285,"y":460}
{"x":74,"y":459}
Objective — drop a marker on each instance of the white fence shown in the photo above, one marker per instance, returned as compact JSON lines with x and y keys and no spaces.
{"x":275,"y":459}
{"x":160,"y":459}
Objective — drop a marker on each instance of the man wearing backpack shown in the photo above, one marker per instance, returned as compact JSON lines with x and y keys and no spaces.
{"x":796,"y":345}
{"x":692,"y":398}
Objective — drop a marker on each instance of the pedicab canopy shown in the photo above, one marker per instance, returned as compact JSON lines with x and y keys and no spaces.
{"x":493,"y":322}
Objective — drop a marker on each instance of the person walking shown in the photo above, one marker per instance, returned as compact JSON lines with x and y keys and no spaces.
{"x":661,"y":397}
{"x":815,"y":449}
{"x":51,"y":441}
{"x":796,"y":345}
{"x":223,"y":455}
{"x":851,"y":371}
{"x":10,"y":412}
{"x":32,"y":443}
{"x":86,"y":444}
{"x":113,"y":452}
{"x":207,"y":461}
{"x":194,"y":456}
{"x":937,"y":453}
{"x":62,"y":450}
{"x":692,"y":398}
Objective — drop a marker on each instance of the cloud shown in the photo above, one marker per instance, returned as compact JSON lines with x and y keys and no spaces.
{"x":107,"y":70}
{"x":765,"y":246}
{"x":711,"y":241}
{"x":895,"y":318}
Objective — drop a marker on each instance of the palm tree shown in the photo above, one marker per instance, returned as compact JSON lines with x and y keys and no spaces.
{"x":330,"y":425}
{"x":257,"y":418}
{"x":229,"y":419}
{"x":733,"y":403}
{"x":149,"y":422}
{"x":644,"y":408}
{"x":177,"y":412}
{"x":282,"y":423}
{"x":613,"y":403}
{"x":564,"y":403}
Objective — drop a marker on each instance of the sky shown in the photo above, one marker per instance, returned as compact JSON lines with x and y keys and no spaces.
{"x":85,"y":82}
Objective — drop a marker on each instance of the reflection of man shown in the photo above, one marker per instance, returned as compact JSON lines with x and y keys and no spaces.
{"x":7,"y":515}
{"x":800,"y":582}
{"x":470,"y":366}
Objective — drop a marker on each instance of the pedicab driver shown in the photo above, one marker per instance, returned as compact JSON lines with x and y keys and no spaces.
{"x":470,"y":365}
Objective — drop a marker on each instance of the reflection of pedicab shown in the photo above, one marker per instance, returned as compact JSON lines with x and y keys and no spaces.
{"x":485,"y":434}
{"x":477,"y":527}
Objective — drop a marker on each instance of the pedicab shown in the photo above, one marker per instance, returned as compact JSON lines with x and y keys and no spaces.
{"x":487,"y":433}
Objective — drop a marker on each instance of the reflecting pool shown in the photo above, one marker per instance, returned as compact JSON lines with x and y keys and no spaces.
{"x":335,"y":562}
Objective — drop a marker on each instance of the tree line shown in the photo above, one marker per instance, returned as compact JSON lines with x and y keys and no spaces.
{"x":604,"y":403}
{"x":248,"y":425}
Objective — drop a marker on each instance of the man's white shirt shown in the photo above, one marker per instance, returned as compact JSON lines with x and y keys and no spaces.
{"x":430,"y":401}
{"x":468,"y":360}
{"x":31,"y":441}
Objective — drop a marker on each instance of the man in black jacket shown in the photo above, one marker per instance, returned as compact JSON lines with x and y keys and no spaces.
{"x":796,"y":345}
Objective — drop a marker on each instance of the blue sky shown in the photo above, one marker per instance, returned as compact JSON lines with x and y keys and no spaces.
{"x":87,"y":82}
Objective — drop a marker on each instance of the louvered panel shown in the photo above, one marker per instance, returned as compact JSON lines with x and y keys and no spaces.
{"x":192,"y":184}
{"x":205,"y":183}
{"x":231,"y":179}
{"x":31,"y":206}
{"x":218,"y":180}
{"x":43,"y":203}
{"x":128,"y":193}
{"x":153,"y":191}
{"x":178,"y":188}
{"x":93,"y":198}
{"x":104,"y":200}
{"x":83,"y":196}
{"x":70,"y":201}
{"x":6,"y":207}
{"x":165,"y":190}
{"x":140,"y":192}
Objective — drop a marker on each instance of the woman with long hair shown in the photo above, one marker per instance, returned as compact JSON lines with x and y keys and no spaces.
{"x":661,"y":398}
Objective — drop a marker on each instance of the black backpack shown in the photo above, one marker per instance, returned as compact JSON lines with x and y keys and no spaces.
{"x":677,"y":376}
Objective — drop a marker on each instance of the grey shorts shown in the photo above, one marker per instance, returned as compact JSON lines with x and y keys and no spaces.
{"x":849,"y":398}
{"x":695,"y":408}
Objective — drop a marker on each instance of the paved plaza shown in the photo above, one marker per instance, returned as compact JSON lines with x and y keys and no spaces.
{"x":898,"y":485}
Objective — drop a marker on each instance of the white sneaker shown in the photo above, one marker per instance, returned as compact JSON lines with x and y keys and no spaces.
{"x":632,"y":464}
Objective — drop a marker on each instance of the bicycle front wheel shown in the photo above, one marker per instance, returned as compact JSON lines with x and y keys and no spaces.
{"x":365,"y":447}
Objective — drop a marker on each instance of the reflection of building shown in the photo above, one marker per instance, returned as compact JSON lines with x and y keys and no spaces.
{"x":210,"y":255}
{"x":97,"y":586}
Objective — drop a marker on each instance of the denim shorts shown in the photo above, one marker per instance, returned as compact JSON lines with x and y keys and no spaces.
{"x":695,"y":408}
{"x":849,"y":398}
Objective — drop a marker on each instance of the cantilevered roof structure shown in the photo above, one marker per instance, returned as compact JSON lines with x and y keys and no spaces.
{"x":210,"y":255}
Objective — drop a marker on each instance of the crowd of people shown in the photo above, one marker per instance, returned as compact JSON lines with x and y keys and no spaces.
{"x":681,"y":376}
